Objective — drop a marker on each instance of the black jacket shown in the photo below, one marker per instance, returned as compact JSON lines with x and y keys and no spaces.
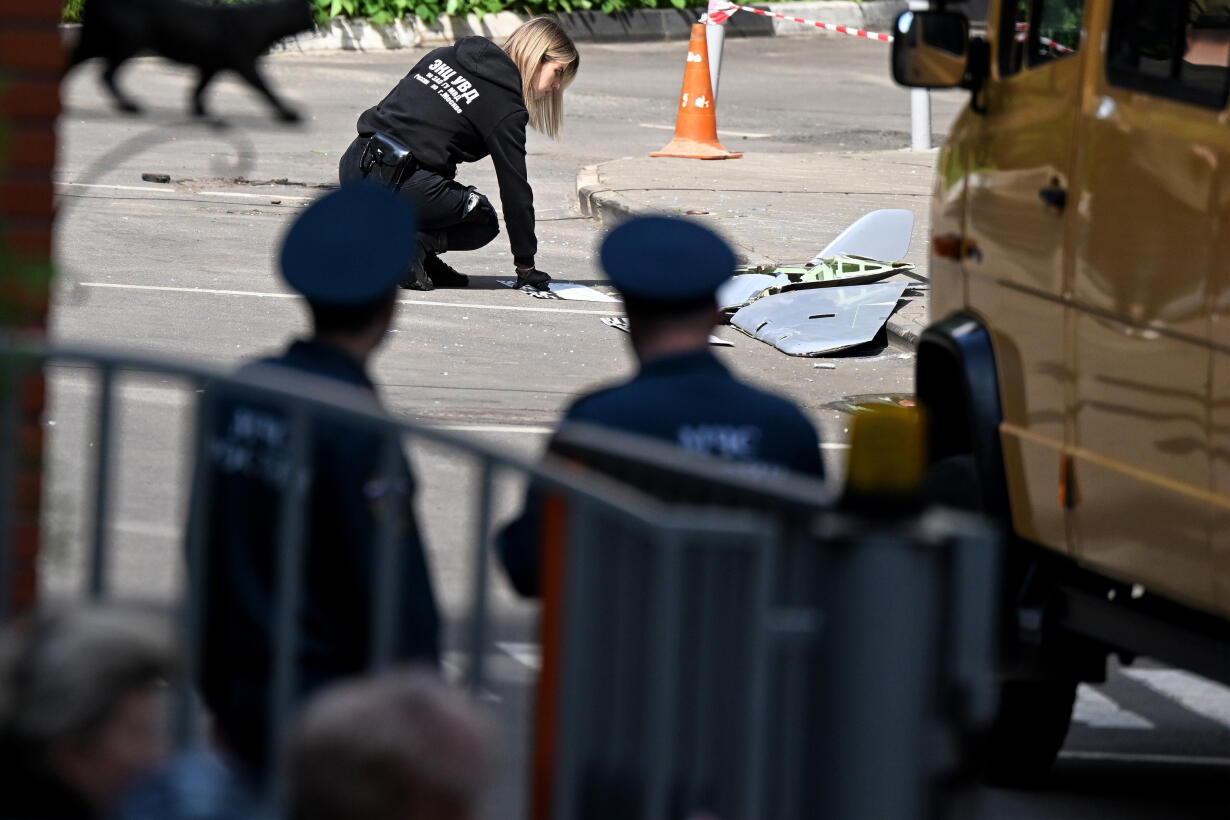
{"x":690,"y":400}
{"x":248,"y":455}
{"x":460,"y":104}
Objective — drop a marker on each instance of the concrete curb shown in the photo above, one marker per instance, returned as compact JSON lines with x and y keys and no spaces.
{"x":584,"y":26}
{"x":598,"y":201}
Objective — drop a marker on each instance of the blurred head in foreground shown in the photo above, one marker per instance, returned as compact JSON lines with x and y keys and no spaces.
{"x":668,"y":271}
{"x":350,"y":287}
{"x":81,"y":708}
{"x":401,"y":746}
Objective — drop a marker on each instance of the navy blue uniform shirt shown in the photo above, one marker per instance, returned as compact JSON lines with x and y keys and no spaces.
{"x":691,"y":400}
{"x":249,"y":456}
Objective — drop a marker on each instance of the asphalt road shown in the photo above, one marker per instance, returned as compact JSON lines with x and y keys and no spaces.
{"x":187,"y":269}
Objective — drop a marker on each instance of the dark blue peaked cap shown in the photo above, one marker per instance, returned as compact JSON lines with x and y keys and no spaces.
{"x":351,"y":246}
{"x":663,"y":259}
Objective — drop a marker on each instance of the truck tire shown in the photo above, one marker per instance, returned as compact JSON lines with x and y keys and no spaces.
{"x":1029,"y":728}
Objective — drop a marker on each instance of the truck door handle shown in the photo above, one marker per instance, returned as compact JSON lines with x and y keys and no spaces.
{"x":1054,"y":195}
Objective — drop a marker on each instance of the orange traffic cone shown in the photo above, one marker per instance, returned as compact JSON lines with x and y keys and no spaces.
{"x":696,"y":123}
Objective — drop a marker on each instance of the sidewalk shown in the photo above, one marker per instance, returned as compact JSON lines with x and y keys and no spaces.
{"x":780,"y":208}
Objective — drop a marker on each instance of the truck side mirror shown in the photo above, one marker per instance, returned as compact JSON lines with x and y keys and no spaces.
{"x":931,"y":49}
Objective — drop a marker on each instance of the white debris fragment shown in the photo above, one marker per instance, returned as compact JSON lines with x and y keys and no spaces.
{"x":824,"y":366}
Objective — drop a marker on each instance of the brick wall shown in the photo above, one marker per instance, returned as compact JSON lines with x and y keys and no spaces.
{"x":31,"y":60}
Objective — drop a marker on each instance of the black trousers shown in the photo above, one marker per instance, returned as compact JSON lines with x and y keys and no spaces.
{"x":441,"y":203}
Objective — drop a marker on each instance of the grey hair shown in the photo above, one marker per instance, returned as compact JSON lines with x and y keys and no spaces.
{"x":380,"y":748}
{"x":62,"y":672}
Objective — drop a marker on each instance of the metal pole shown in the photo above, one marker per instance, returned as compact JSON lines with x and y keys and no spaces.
{"x":102,"y":461}
{"x":192,"y":616}
{"x":715,"y":36}
{"x":9,"y":432}
{"x":920,"y":103}
{"x":292,"y":530}
{"x":661,"y":684}
{"x":478,"y":597}
{"x":387,"y":566}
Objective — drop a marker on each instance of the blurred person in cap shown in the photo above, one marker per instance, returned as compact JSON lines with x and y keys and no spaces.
{"x":459,"y":104}
{"x":394,"y":747}
{"x":668,"y":271}
{"x":350,"y":289}
{"x":81,"y":709}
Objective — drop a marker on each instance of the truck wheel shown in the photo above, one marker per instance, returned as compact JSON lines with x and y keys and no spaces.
{"x":1034,"y":714}
{"x":1029,"y":728}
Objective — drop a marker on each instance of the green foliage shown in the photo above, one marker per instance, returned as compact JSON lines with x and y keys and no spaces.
{"x":386,"y":11}
{"x":72,"y":11}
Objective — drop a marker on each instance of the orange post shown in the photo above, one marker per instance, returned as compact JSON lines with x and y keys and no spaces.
{"x":696,"y":122}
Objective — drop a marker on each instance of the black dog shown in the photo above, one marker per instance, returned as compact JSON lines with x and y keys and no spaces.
{"x":211,"y":37}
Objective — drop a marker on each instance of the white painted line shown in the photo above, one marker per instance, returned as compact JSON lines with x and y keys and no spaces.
{"x":527,"y":654}
{"x":146,"y":528}
{"x":169,"y":189}
{"x":745,"y":134}
{"x":1100,"y":712}
{"x":263,"y":295}
{"x":163,"y":189}
{"x":270,"y":195}
{"x":451,"y":665}
{"x":1129,"y":757}
{"x":494,"y":428}
{"x":1205,"y":698}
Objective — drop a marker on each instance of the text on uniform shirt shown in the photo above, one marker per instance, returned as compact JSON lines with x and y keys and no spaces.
{"x":452,"y":87}
{"x":254,"y":445}
{"x":725,"y":440}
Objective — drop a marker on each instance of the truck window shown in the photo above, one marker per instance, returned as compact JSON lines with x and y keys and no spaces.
{"x":1177,"y":50}
{"x":1041,"y":31}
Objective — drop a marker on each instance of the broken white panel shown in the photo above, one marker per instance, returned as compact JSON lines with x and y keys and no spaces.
{"x":566,"y":290}
{"x":621,"y":323}
{"x":737,"y":291}
{"x":1097,"y":711}
{"x":883,"y":234}
{"x":819,"y":321}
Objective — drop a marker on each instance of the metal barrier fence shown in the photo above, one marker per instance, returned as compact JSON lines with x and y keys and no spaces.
{"x":731,"y":645}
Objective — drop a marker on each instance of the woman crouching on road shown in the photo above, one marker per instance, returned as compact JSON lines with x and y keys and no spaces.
{"x":459,"y":104}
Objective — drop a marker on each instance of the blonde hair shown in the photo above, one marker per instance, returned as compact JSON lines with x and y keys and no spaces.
{"x":534,"y":42}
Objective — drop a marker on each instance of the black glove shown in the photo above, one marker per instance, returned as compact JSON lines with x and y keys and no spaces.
{"x":533,"y":279}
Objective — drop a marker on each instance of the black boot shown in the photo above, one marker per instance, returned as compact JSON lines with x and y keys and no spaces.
{"x":415,"y":277}
{"x":442,"y":274}
{"x":418,"y":275}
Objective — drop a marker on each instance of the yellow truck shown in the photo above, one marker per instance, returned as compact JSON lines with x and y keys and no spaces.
{"x":1077,"y":368}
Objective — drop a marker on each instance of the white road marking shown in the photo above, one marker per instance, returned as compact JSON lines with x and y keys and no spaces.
{"x":264,"y":295}
{"x":493,"y":428}
{"x":1129,"y":757}
{"x":527,"y":654}
{"x":169,"y":189}
{"x":146,"y":528}
{"x":745,"y":134}
{"x":1205,"y":698}
{"x":162,"y":189}
{"x":452,"y":666}
{"x":1100,"y":712}
{"x":270,"y":195}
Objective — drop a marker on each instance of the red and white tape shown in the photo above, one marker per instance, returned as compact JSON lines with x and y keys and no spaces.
{"x":720,"y":15}
{"x":1022,"y":34}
